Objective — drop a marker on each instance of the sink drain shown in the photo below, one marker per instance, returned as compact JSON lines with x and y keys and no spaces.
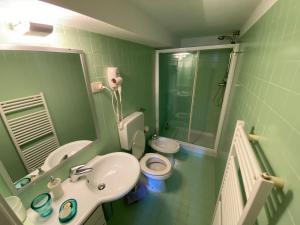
{"x":101,"y":187}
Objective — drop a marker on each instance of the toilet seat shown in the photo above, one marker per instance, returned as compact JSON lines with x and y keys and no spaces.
{"x":154,"y":158}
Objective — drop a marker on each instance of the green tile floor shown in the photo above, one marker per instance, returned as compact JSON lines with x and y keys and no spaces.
{"x":189,"y":200}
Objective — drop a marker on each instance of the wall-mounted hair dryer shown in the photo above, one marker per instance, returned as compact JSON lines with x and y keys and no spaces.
{"x":113,"y":78}
{"x":115,"y":83}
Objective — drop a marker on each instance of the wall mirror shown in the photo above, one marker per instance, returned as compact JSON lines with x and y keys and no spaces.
{"x":47,"y":114}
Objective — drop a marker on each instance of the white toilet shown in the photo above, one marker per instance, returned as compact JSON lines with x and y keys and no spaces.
{"x":155,"y":167}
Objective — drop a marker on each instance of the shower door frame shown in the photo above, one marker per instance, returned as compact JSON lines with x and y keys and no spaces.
{"x":235,"y":49}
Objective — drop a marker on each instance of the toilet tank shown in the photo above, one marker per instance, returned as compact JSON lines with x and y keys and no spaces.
{"x":127,"y":128}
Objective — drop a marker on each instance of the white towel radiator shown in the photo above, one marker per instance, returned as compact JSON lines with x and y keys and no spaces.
{"x":30,"y":127}
{"x":244,"y":188}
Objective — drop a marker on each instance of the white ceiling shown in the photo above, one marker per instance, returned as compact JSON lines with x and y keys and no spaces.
{"x":124,"y":16}
{"x":194,"y":18}
{"x":157,"y":23}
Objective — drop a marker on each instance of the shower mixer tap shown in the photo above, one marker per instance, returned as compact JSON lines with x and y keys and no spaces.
{"x":222,"y":84}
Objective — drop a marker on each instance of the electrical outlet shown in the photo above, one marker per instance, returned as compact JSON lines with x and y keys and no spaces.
{"x":97,"y":86}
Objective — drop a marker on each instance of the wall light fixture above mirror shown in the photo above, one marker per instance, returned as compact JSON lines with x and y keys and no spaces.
{"x":30,"y":28}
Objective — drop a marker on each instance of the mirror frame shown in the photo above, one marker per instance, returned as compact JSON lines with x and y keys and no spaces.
{"x":7,"y":47}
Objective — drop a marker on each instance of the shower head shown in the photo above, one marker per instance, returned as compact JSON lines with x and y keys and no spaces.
{"x":232,"y":38}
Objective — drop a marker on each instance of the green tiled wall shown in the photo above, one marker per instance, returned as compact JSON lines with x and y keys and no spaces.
{"x":135,"y":63}
{"x":266,"y":95}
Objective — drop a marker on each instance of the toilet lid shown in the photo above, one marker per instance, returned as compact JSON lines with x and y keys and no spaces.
{"x":138,"y":145}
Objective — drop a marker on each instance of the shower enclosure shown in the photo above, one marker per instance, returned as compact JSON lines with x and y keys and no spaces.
{"x":192,"y":88}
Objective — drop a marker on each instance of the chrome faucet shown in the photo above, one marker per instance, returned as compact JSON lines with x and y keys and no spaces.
{"x":78,"y":171}
{"x":154,"y":137}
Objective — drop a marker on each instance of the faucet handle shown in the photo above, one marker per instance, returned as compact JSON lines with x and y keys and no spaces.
{"x":154,"y":137}
{"x":74,"y":169}
{"x":77,"y":171}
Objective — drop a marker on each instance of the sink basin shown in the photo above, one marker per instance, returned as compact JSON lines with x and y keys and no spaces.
{"x":114,"y":175}
{"x":164,"y":145}
{"x":63,"y":152}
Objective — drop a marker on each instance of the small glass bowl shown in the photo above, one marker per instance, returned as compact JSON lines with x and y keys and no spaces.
{"x":42,"y":204}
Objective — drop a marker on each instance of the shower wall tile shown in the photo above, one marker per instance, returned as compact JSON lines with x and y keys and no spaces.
{"x":266,"y":95}
{"x":136,"y":66}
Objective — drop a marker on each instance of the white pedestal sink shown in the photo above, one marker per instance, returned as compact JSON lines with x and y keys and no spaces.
{"x":113,"y":176}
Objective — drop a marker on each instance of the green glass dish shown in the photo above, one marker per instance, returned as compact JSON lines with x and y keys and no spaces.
{"x":22,"y":182}
{"x":42,"y":204}
{"x":67,"y":210}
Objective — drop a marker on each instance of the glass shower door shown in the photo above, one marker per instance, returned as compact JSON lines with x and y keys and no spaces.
{"x":176,"y":82}
{"x":191,"y":90}
{"x":210,"y":86}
